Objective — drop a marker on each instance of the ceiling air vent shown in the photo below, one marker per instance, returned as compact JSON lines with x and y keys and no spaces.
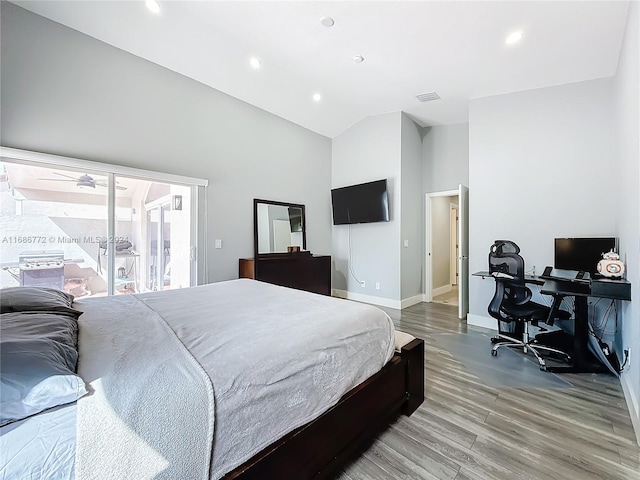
{"x":427,"y":97}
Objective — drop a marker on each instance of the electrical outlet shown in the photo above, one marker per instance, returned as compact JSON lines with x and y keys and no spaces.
{"x":363,"y":284}
{"x":377,"y":285}
{"x":218,"y":243}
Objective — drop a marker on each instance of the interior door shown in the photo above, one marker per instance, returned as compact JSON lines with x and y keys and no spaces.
{"x":463,"y":251}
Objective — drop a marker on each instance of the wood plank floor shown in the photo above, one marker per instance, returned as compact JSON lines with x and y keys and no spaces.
{"x":450,"y":297}
{"x":466,"y":430}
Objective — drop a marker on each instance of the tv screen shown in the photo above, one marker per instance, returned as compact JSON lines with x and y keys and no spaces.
{"x":582,"y":254}
{"x":363,"y":203}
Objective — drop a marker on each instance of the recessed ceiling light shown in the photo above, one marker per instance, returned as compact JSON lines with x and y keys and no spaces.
{"x":514,"y":37}
{"x":153,"y":5}
{"x":327,"y":21}
{"x":358,"y":59}
{"x":317,"y":97}
{"x":254,"y":62}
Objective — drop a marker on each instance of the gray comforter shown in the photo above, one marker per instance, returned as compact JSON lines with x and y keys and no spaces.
{"x":276,"y":358}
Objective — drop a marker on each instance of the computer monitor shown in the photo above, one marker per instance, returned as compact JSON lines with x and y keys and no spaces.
{"x":582,"y":254}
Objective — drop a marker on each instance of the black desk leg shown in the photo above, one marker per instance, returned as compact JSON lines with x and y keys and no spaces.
{"x":581,"y":333}
{"x":581,"y":361}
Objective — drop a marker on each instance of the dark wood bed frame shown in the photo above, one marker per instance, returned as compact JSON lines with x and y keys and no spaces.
{"x":320,"y":448}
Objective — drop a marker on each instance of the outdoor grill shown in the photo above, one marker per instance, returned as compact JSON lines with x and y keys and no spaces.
{"x":42,"y":268}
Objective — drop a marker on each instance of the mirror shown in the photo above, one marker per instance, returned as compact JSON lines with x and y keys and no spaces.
{"x":277,"y":226}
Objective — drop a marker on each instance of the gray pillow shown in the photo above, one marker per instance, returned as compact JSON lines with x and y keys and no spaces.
{"x":38,"y":359}
{"x":20,"y":299}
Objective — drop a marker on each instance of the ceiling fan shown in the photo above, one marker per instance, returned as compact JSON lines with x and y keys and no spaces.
{"x":81,"y":181}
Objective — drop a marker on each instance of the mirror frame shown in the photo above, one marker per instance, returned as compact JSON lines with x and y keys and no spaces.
{"x":256,"y":201}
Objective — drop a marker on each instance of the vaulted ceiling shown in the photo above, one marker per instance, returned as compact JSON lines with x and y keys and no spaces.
{"x":456,"y":49}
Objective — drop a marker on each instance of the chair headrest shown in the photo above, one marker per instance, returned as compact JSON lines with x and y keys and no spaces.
{"x":501,"y":247}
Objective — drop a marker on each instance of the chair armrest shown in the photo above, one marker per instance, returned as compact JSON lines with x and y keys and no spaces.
{"x":502,"y":275}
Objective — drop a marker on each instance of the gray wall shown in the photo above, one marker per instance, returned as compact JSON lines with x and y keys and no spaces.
{"x":370,"y":150}
{"x":626,"y":171}
{"x":383,"y":146}
{"x":65,"y":93}
{"x":445,"y":153}
{"x":536,"y":163}
{"x":441,"y":240}
{"x":412,"y":209}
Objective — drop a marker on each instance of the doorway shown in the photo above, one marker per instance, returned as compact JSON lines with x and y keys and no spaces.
{"x":446,"y":269}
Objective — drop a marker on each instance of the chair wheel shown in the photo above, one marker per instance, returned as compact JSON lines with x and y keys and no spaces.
{"x":494,"y":353}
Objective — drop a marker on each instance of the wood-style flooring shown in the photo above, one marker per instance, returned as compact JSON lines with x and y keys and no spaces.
{"x":450,"y":297}
{"x":466,"y":430}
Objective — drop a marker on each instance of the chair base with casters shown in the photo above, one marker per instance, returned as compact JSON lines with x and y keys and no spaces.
{"x":502,"y":340}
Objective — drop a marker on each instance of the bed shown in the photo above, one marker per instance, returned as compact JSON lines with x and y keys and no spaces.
{"x":287,"y":384}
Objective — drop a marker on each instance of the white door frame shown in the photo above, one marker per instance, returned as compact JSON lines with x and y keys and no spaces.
{"x":453,"y":244}
{"x":428,"y":273}
{"x":463,"y":251}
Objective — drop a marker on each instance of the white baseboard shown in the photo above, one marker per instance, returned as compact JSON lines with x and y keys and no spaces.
{"x":359,"y":297}
{"x":482,"y":321}
{"x":632,"y":404}
{"x":407,"y":302}
{"x":440,"y":290}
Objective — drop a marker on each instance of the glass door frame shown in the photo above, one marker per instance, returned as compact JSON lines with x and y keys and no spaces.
{"x":39,"y":159}
{"x":161,"y":205}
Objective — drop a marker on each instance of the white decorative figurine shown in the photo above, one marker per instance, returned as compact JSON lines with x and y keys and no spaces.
{"x":610,"y":265}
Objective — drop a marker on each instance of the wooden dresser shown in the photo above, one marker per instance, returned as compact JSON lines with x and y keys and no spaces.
{"x":296,"y":270}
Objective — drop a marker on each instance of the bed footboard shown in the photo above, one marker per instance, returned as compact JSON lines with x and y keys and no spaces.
{"x":321,"y":447}
{"x":414,"y":354}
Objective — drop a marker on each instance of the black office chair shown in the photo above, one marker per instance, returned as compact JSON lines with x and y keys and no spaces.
{"x":512,"y":304}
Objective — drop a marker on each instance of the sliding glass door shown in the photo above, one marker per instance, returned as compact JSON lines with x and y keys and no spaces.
{"x":167,"y":254}
{"x":92,"y":233}
{"x":52,"y":222}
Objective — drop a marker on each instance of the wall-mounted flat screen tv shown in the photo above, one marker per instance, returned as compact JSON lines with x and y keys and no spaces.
{"x":362,"y":203}
{"x":582,"y":254}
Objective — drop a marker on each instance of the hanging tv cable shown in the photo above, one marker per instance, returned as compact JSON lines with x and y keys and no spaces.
{"x":351,"y":271}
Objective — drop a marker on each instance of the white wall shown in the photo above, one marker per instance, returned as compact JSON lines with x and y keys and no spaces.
{"x":626,"y":173}
{"x":369,"y":150}
{"x":445,"y":153}
{"x":536,"y":163}
{"x":69,"y":94}
{"x":412,"y":212}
